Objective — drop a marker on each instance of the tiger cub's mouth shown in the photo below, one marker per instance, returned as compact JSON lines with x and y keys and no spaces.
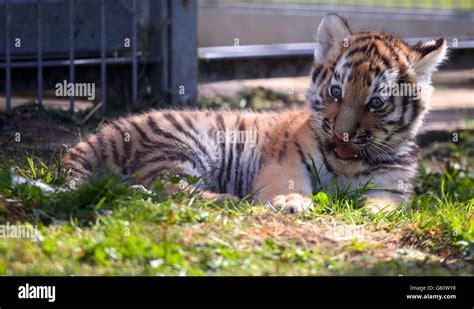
{"x":342,"y":150}
{"x":345,"y":151}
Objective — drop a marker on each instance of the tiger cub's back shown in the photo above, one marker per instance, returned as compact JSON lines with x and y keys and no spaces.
{"x":228,"y":148}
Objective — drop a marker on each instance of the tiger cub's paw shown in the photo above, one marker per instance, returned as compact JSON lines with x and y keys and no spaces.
{"x":376,"y":206}
{"x":219,"y":198}
{"x":292,"y":203}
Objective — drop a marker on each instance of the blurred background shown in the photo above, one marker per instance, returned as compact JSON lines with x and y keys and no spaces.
{"x":219,"y":54}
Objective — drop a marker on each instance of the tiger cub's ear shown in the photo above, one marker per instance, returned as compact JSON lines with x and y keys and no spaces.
{"x":429,"y":55}
{"x":332,"y":31}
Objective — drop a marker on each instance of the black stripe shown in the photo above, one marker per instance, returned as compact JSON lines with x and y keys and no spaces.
{"x":230,"y":162}
{"x":221,"y":128}
{"x":284,"y":147}
{"x":326,"y":163}
{"x":102,"y":146}
{"x":153,"y":173}
{"x":424,"y":50}
{"x":385,"y":61}
{"x":189,"y":123}
{"x":257,"y":162}
{"x":240,"y":147}
{"x":416,"y":110}
{"x":362,"y":49}
{"x":404,"y":160}
{"x":80,"y":159}
{"x":371,"y":36}
{"x":324,"y":74}
{"x":127,"y":147}
{"x":392,"y":51}
{"x":248,"y":176}
{"x":88,"y":142}
{"x":381,"y":127}
{"x":118,"y":160}
{"x":317,"y":108}
{"x":303,"y":159}
{"x":377,"y":70}
{"x":390,"y":167}
{"x":334,"y":63}
{"x":406,"y":100}
{"x":252,"y":163}
{"x":377,"y":53}
{"x":186,"y":133}
{"x":165,"y":150}
{"x":140,"y":131}
{"x":157,"y":130}
{"x":372,"y":49}
{"x":316,"y":72}
{"x":115,"y":154}
{"x":158,"y":159}
{"x":74,"y":168}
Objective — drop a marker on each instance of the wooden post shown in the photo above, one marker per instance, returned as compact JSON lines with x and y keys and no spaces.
{"x":174,"y":42}
{"x":183,"y":62}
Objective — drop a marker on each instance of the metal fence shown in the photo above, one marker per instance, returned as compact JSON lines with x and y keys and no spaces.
{"x":68,"y":34}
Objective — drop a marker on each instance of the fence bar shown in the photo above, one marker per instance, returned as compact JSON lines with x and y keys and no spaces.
{"x":103,"y":72}
{"x":40,"y":52}
{"x":134,"y":55}
{"x":71,"y":51}
{"x":8,"y":77}
{"x":81,"y":62}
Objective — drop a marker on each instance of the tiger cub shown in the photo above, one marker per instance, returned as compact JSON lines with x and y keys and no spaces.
{"x":355,"y":130}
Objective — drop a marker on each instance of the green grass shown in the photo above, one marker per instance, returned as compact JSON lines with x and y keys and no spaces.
{"x":257,"y":99}
{"x":105,"y":227}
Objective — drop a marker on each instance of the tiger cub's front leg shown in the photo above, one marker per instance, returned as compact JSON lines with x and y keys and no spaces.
{"x":286,"y":189}
{"x":393,"y":189}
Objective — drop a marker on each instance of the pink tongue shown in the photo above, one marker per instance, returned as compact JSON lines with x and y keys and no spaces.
{"x":345,"y":151}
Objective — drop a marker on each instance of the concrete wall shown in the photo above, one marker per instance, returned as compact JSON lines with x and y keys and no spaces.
{"x":253,"y":24}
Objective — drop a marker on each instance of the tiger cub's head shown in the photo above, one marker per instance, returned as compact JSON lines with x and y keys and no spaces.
{"x":369,"y":93}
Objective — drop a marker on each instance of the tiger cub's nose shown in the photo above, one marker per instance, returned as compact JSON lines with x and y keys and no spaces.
{"x":340,"y":136}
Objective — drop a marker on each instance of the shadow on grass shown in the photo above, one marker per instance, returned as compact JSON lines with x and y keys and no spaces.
{"x":28,"y":203}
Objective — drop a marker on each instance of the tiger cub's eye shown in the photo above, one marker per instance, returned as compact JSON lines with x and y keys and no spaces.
{"x":376,"y":104}
{"x":335,"y":92}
